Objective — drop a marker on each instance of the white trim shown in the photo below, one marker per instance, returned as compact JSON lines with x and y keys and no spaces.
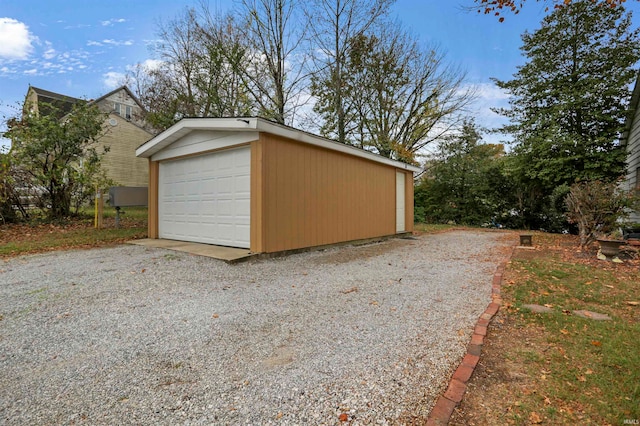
{"x":199,"y":141}
{"x":254,"y":124}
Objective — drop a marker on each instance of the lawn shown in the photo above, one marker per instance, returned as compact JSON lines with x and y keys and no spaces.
{"x":556,"y":367}
{"x":77,"y":232}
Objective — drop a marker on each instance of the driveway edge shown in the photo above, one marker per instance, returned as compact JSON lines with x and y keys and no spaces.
{"x":443,"y":409}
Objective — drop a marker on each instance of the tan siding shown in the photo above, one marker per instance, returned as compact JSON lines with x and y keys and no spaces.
{"x":152,"y":223}
{"x":120,"y":162}
{"x":313,"y":196}
{"x":257,"y":199}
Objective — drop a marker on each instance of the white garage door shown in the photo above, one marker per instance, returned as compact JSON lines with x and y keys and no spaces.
{"x":206,"y":198}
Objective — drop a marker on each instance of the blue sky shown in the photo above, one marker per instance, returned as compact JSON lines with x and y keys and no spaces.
{"x":82,"y":48}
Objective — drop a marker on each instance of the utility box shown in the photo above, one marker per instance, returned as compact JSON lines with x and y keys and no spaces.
{"x":128,"y":196}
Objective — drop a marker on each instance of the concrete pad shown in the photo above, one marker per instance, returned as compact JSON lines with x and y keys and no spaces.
{"x":228,"y":254}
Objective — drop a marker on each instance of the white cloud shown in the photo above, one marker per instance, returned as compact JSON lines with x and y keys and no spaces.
{"x":113,"y":79}
{"x":50,"y":53}
{"x":93,"y":43}
{"x":152,"y":64}
{"x":15,"y":39}
{"x":113,"y":42}
{"x":32,"y":71}
{"x":110,"y":22}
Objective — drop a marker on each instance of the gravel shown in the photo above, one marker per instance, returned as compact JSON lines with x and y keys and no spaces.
{"x":133,"y":335}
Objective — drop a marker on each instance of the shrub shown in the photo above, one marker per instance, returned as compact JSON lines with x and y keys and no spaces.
{"x":597,"y":208}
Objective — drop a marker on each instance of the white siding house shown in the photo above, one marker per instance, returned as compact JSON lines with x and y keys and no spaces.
{"x":631,"y":139}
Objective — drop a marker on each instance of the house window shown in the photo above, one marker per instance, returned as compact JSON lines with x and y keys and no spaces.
{"x":116,"y":108}
{"x":127,"y":113}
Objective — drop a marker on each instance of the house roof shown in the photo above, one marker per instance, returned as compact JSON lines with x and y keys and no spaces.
{"x":62,"y":102}
{"x":256,"y":124}
{"x":126,"y":89}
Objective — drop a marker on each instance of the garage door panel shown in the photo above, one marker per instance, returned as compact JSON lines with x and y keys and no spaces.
{"x":206,"y":198}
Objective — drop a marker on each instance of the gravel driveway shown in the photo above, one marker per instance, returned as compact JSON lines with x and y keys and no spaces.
{"x":132,"y":335}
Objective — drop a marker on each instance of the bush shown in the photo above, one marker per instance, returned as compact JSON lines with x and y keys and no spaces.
{"x":597,"y":208}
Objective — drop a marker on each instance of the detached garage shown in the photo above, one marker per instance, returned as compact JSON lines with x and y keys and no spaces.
{"x":251,"y":183}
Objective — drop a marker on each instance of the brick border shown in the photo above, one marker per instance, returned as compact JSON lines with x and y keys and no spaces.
{"x":443,"y":409}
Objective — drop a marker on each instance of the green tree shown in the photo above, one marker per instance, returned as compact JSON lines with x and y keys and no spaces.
{"x":464,"y":181}
{"x":58,"y":157}
{"x":496,"y":7}
{"x":569,"y":101}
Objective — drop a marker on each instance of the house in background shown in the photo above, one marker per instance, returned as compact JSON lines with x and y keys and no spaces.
{"x":255,"y":184}
{"x":126,"y":129}
{"x":631,"y":140}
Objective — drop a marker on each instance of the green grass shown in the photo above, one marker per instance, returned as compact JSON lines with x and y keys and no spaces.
{"x":432,"y":227}
{"x":42,"y":235}
{"x":593,"y":366}
{"x":86,"y":237}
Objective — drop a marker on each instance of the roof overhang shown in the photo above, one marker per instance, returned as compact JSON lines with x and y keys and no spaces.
{"x":188,"y":125}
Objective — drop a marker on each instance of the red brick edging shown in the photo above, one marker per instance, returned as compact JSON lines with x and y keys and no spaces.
{"x":441,"y":412}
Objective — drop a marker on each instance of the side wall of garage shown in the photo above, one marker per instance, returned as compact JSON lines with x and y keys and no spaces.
{"x":305,"y":196}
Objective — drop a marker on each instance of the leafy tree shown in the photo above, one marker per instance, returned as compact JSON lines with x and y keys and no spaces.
{"x":8,"y":195}
{"x":569,"y":101}
{"x":58,"y":156}
{"x":496,"y":7}
{"x":464,"y":182}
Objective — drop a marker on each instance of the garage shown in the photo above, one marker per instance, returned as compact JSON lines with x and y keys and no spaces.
{"x":206,"y":198}
{"x":251,"y":183}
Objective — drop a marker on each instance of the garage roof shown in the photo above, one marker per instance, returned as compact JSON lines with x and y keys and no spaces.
{"x":187,"y":125}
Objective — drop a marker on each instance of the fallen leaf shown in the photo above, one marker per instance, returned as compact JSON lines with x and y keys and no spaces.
{"x":582,"y":378}
{"x":609,"y":286}
{"x":596,"y":343}
{"x":351,"y":290}
{"x":589,"y":371}
{"x":632,"y":303}
{"x":547,"y":401}
{"x":374,"y":303}
{"x":563,"y":331}
{"x":143,"y":269}
{"x":461,"y":332}
{"x":279,"y":415}
{"x":534,"y":418}
{"x":215,"y":316}
{"x":343,"y":417}
{"x":548,"y":305}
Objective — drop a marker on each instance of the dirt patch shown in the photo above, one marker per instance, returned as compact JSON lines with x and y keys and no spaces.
{"x":362,"y":252}
{"x":499,"y":381}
